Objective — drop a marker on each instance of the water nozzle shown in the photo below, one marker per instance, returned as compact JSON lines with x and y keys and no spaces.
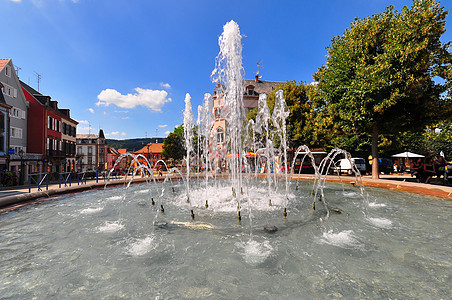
{"x":161,"y":208}
{"x":233,"y":193}
{"x":152,"y":201}
{"x":173,"y":189}
{"x":241,"y":190}
{"x":284,"y":213}
{"x":320,"y":197}
{"x":207,"y":204}
{"x":313,"y":205}
{"x":192,"y":215}
{"x":296,"y":188}
{"x":239,"y":217}
{"x":269,"y":202}
{"x":188,"y":199}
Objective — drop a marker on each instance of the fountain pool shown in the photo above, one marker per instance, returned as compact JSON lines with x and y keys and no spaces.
{"x":113,"y":244}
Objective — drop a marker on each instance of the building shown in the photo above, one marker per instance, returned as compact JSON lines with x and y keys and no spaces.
{"x":112,"y":157}
{"x":91,"y":152}
{"x":252,"y":89}
{"x":4,"y":125}
{"x":52,"y":133}
{"x":152,"y":151}
{"x":15,"y":98}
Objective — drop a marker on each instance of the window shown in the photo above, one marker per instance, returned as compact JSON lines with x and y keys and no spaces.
{"x":49,"y":122}
{"x":220,"y":135}
{"x":48,"y":144}
{"x":16,"y":132}
{"x":9,"y":90}
{"x":79,"y":151}
{"x":90,"y":150}
{"x":8,"y":71}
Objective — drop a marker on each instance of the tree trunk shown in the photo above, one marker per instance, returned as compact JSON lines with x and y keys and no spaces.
{"x":375,"y":172}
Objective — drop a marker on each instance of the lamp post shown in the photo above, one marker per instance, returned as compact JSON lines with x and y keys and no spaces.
{"x":21,"y":179}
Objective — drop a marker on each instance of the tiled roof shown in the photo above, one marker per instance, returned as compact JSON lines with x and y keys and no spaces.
{"x":262,"y":86}
{"x":86,"y":136}
{"x":3,"y":62}
{"x":153,"y":148}
{"x":122,"y":151}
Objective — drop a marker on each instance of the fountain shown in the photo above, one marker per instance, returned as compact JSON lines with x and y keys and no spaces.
{"x":234,"y":234}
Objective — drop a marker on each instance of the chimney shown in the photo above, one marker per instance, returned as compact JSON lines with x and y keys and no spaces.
{"x":256,"y":78}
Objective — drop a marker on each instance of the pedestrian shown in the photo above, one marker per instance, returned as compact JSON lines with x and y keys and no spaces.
{"x":429,"y":169}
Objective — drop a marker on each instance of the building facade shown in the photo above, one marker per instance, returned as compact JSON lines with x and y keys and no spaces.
{"x":14,"y":97}
{"x":52,"y":133}
{"x":252,"y":90}
{"x":91,"y":152}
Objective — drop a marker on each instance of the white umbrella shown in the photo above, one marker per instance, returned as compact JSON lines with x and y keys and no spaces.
{"x":407,"y":155}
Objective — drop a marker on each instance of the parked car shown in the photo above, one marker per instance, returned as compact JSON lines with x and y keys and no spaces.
{"x":344,"y":165}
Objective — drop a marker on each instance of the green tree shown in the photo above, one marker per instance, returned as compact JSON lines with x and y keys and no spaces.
{"x":173,"y":146}
{"x":379,"y":75}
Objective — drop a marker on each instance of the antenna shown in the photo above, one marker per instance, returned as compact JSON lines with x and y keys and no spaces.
{"x":38,"y":78}
{"x":89,"y":127}
{"x":157,"y":132}
{"x":17,"y":70}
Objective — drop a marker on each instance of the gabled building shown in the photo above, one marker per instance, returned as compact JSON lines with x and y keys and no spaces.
{"x":91,"y":152}
{"x":252,"y":89}
{"x":14,"y":97}
{"x":152,"y":151}
{"x":112,"y":157}
{"x":52,"y":133}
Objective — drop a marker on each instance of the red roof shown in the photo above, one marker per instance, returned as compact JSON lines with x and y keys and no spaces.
{"x":154,"y":148}
{"x":122,"y":151}
{"x":3,"y":62}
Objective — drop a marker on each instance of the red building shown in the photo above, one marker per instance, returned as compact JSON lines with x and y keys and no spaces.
{"x":112,"y":156}
{"x":45,"y":132}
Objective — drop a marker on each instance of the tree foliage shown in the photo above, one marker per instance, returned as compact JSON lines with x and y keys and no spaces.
{"x":173,"y":146}
{"x":380,"y":74}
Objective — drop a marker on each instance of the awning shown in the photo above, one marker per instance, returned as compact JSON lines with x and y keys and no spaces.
{"x":407,"y":155}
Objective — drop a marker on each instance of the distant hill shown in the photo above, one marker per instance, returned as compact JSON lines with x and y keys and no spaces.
{"x":132,"y":145}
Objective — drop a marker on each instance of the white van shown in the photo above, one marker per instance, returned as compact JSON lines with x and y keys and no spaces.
{"x":345,"y":167}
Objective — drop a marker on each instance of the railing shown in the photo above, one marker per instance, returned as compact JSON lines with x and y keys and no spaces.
{"x":40,"y":179}
{"x":66,"y":178}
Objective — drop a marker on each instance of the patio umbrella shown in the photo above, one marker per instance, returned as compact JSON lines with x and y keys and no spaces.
{"x":407,"y":155}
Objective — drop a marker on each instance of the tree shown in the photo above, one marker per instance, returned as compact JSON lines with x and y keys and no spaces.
{"x":173,"y":146}
{"x":379,"y":75}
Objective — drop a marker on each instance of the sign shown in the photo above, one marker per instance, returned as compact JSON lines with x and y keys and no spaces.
{"x":2,"y":161}
{"x":11,"y":151}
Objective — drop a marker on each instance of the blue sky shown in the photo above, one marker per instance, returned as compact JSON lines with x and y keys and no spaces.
{"x":126,"y":66}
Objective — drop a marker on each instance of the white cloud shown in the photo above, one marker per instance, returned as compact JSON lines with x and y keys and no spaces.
{"x":123,"y":134}
{"x":16,"y":1}
{"x":165,"y":85}
{"x":83,"y":122}
{"x":91,"y":110}
{"x":105,"y":113}
{"x":154,"y":99}
{"x":125,"y":118}
{"x":167,"y":132}
{"x":121,"y":111}
{"x":114,"y":133}
{"x":163,"y":126}
{"x":80,"y":128}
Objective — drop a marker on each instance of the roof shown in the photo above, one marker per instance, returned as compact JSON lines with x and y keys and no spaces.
{"x":262,"y":86}
{"x":112,"y":151}
{"x":122,"y":151}
{"x":3,"y":62}
{"x":101,"y":134}
{"x":153,"y":148}
{"x":86,"y":136}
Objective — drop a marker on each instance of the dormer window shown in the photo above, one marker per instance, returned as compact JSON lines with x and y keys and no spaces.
{"x":250,"y":90}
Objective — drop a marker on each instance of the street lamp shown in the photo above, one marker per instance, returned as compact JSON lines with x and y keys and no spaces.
{"x":21,"y":179}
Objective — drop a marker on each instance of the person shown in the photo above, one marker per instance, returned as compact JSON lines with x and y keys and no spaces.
{"x":429,"y":169}
{"x":417,"y":170}
{"x":440,"y":167}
